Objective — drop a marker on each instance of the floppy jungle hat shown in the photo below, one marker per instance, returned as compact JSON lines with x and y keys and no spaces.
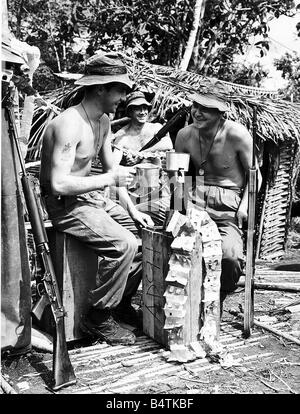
{"x":210,"y":100}
{"x":104,"y":68}
{"x":136,"y":98}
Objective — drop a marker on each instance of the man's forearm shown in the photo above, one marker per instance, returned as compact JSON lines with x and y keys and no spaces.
{"x":74,"y":185}
{"x":125,"y":199}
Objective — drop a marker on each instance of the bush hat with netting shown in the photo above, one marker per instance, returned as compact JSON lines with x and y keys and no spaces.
{"x":104,"y":68}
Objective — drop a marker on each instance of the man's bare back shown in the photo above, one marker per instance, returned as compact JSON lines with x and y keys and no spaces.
{"x":71,"y":142}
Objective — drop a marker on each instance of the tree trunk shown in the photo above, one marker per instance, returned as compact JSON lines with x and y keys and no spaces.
{"x":198,"y":15}
{"x":180,"y":48}
{"x":20,"y":19}
{"x":52,"y":38}
{"x":6,"y":34}
{"x":204,"y":57}
{"x":195,"y":54}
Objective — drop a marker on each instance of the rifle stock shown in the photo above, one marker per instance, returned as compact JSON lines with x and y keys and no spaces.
{"x":250,"y":264}
{"x":62,"y":369}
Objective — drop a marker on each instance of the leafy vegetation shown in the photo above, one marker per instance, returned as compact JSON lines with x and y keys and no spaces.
{"x":289,"y":64}
{"x":155,"y":30}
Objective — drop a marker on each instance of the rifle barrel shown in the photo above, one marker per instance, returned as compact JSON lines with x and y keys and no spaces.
{"x":165,"y":129}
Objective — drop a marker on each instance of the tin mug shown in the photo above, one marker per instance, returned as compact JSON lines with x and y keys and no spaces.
{"x":177,"y":160}
{"x":147,"y":175}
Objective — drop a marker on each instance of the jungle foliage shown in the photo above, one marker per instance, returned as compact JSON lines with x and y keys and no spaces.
{"x":155,"y":30}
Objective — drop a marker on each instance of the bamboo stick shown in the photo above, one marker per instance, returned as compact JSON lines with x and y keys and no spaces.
{"x":291,"y":278}
{"x":276,"y":332}
{"x":269,"y":328}
{"x":280,"y":308}
{"x":287,"y":287}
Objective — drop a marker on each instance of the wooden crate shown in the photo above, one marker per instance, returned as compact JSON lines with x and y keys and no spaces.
{"x":193,"y":321}
{"x":75,"y":267}
{"x":156,"y":254}
{"x":157,"y":251}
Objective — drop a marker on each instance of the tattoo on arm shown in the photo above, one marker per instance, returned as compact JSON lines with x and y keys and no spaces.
{"x":66,"y":148}
{"x":65,"y":152}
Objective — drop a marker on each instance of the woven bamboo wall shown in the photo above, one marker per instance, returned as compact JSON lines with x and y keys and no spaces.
{"x":275,"y":220}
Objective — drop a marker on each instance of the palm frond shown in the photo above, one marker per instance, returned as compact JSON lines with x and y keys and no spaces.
{"x":278,"y":120}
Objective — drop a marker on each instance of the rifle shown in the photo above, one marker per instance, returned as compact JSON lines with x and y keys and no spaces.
{"x":165,"y":129}
{"x":250,"y":263}
{"x":62,"y":369}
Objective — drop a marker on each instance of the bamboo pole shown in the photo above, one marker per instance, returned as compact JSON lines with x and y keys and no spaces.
{"x":198,"y":13}
{"x":276,"y":332}
{"x":280,"y":308}
{"x":269,"y":328}
{"x":287,"y":287}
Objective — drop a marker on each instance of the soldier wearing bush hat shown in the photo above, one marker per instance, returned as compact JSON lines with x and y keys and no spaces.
{"x":129,"y":140}
{"x":221,"y":154}
{"x":72,"y":141}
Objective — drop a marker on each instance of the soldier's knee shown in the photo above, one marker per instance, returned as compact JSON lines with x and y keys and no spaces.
{"x":132,"y":244}
{"x":128,"y":245}
{"x":230,"y":261}
{"x":232,"y":251}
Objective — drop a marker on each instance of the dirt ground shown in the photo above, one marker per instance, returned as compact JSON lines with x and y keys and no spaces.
{"x":263,"y":364}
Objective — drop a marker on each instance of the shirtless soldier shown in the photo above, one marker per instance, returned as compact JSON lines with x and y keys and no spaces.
{"x":139,"y":131}
{"x":132,"y":138}
{"x":221,"y":151}
{"x":71,"y":142}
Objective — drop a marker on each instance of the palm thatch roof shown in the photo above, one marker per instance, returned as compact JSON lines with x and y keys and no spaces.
{"x":278,"y":127}
{"x":278,"y":119}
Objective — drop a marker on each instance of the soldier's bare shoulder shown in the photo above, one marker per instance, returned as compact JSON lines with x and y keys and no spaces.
{"x":68,"y":117}
{"x":235,"y":129}
{"x":185,"y":131}
{"x":66,"y":124}
{"x":122,"y":131}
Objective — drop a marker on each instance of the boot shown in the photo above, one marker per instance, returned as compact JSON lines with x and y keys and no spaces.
{"x":101,"y":325}
{"x":126,"y":313}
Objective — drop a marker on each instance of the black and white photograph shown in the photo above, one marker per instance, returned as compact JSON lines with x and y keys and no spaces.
{"x":150,"y":200}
